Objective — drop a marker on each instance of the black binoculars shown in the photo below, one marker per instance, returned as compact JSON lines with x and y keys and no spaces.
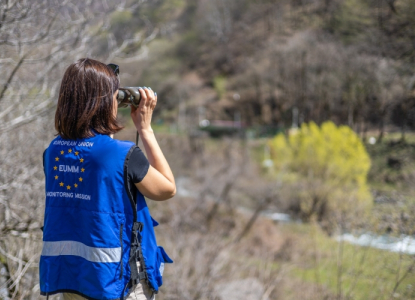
{"x":128,"y":96}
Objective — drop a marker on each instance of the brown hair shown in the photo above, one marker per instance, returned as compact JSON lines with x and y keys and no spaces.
{"x":85,"y":102}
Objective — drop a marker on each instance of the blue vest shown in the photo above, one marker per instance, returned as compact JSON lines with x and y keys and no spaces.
{"x":97,"y":224}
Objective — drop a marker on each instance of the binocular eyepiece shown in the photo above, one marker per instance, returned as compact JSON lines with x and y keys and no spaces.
{"x":128,"y":96}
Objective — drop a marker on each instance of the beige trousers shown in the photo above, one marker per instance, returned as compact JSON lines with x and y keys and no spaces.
{"x":140,"y":292}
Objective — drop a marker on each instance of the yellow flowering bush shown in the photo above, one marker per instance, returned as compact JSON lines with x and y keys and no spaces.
{"x":326,"y":167}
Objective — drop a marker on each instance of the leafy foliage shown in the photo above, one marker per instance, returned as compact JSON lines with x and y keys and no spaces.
{"x":351,"y":19}
{"x":219,"y":83}
{"x":332,"y":162}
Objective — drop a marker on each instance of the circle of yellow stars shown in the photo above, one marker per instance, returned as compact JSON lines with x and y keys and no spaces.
{"x":55,"y":168}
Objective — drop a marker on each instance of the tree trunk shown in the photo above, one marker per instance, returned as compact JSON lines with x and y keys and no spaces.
{"x":381,"y":129}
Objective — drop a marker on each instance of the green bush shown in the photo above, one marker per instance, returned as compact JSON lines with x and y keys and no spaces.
{"x":121,"y":17}
{"x":326,"y":168}
{"x":219,"y":83}
{"x":351,"y":19}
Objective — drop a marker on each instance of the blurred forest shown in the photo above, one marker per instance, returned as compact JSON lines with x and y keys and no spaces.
{"x":289,"y":126}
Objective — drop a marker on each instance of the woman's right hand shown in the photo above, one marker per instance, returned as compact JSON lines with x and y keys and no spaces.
{"x":158,"y":184}
{"x":143,"y":113}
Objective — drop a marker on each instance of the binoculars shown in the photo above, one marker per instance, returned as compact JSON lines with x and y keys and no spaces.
{"x":128,"y":96}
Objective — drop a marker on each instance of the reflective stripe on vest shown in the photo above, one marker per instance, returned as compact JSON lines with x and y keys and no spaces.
{"x":101,"y":255}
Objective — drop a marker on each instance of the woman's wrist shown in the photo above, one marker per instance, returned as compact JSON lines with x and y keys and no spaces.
{"x":145,"y":131}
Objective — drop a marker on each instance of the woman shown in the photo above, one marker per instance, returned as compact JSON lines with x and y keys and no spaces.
{"x":98,"y":236}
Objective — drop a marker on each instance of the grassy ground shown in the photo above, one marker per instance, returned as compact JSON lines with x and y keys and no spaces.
{"x":351,"y":271}
{"x":293,"y":261}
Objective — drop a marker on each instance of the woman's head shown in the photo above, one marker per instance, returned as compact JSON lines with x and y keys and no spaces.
{"x":86,"y":102}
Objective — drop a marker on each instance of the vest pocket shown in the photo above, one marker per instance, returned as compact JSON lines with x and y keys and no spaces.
{"x":122,"y":251}
{"x":162,"y":258}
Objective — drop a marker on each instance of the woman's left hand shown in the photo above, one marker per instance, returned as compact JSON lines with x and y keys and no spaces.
{"x":143,"y":113}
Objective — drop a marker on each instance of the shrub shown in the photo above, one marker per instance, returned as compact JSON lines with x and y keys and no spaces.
{"x":219,"y":83}
{"x":326,"y":168}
